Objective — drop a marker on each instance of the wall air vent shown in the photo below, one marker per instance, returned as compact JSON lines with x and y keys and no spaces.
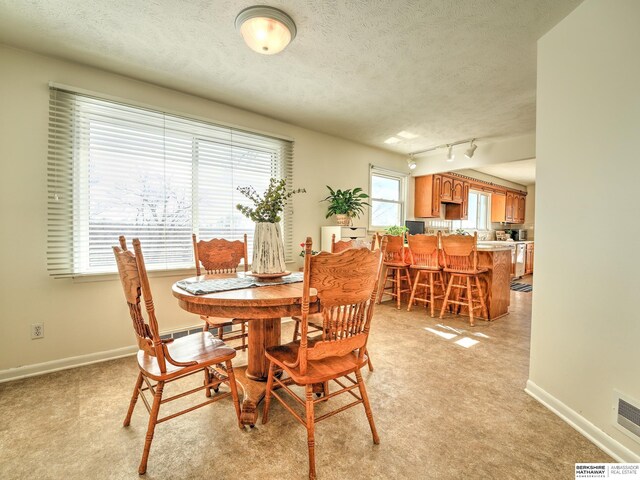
{"x":626,"y":415}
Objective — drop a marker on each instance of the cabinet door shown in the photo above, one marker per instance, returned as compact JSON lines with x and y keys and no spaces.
{"x":458,"y":191}
{"x":498,"y":205}
{"x":437,"y":193}
{"x":509,"y":207}
{"x":528,"y":266}
{"x":522,"y":203}
{"x":465,"y":201}
{"x":446,"y":194}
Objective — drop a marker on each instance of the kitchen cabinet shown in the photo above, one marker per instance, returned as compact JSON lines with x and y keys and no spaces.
{"x":522,"y":202}
{"x":498,"y":207}
{"x":446,"y":193}
{"x":458,"y":191}
{"x":508,"y":207}
{"x":428,"y":192}
{"x":528,"y":264}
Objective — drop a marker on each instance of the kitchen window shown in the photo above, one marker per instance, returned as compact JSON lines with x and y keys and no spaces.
{"x":478,"y":218}
{"x":116,"y":169}
{"x":387,"y":198}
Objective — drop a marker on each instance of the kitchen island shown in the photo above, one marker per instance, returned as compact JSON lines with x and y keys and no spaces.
{"x":496,"y":281}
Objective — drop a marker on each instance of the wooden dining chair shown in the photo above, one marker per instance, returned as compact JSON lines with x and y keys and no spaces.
{"x":165,"y":361}
{"x":425,"y":261}
{"x":460,"y":260}
{"x":315,"y":320}
{"x":341,"y":245}
{"x":222,"y":256}
{"x":395,"y":269}
{"x":346,"y":286}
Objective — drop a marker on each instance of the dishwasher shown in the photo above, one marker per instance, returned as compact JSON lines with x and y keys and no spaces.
{"x":520,"y":254}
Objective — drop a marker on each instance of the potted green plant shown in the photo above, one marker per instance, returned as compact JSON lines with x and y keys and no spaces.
{"x":346,"y":204}
{"x":396,"y":230}
{"x":268,"y":249}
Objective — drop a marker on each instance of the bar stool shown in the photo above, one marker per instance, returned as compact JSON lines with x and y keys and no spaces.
{"x":425,"y":261}
{"x":460,"y":260}
{"x":394,"y":269}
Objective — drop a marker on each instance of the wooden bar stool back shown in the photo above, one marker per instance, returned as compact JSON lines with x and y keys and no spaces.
{"x":164,"y":361}
{"x":460,"y":260}
{"x":342,"y":245}
{"x":222,"y":256}
{"x":425,"y":261}
{"x":346,"y":286}
{"x":395,"y":269}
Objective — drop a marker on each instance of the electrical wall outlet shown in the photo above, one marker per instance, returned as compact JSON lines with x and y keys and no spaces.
{"x":37,"y":330}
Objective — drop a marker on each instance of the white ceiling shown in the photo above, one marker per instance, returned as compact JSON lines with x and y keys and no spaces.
{"x":364,"y":70}
{"x":521,"y":171}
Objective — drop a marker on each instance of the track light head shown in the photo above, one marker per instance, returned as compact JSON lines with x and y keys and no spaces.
{"x":411,"y":163}
{"x":450,"y":155}
{"x":471,"y":150}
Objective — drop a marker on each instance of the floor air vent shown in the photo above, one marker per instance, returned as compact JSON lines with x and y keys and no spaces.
{"x":627,"y":415}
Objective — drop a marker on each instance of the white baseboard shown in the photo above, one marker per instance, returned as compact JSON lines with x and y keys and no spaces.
{"x":65,"y":363}
{"x":606,"y":443}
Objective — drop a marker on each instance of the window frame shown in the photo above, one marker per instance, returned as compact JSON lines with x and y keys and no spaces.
{"x":487,"y":227}
{"x":75,"y":252}
{"x":402,"y":197}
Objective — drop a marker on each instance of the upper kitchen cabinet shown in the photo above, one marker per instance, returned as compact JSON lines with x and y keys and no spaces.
{"x":508,"y":207}
{"x":433,"y":190}
{"x":428,"y":191}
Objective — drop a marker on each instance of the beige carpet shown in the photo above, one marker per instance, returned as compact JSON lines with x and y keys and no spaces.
{"x":442,"y":411}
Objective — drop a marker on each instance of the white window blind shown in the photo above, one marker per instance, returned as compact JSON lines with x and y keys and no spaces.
{"x":116,"y":169}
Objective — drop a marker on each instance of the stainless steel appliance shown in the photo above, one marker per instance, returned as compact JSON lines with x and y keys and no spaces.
{"x":519,"y":259}
{"x":520,"y":235}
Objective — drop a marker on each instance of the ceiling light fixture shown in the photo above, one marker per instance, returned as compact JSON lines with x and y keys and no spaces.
{"x":411,"y":163}
{"x":407,"y":135}
{"x":471,"y":150}
{"x":392,"y":140}
{"x":449,"y":146}
{"x":265,"y":29}
{"x":450,"y":156}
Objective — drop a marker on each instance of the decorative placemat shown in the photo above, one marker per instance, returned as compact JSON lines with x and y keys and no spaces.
{"x":214,"y":285}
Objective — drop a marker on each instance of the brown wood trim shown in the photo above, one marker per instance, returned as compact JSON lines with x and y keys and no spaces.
{"x":482,"y":185}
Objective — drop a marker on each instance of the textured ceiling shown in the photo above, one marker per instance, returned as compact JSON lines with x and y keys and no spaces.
{"x":364,"y":70}
{"x":522,"y":171}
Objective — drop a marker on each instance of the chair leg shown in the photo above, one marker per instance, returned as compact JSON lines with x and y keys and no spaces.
{"x":383,"y":276}
{"x":205,"y":328}
{"x":310,"y":431}
{"x":370,"y":365}
{"x":398,"y":287}
{"x":413,"y":290}
{"x":432,"y":295}
{"x":267,"y":396}
{"x":207,"y":381}
{"x":470,"y":301}
{"x":220,"y":332}
{"x":153,"y":418}
{"x":367,"y":407}
{"x":446,"y":296}
{"x":231,"y":378}
{"x":134,"y":399}
{"x":296,"y":330}
{"x":481,"y":295}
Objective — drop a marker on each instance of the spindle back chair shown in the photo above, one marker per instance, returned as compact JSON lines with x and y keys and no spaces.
{"x":222,"y":256}
{"x":346,"y":285}
{"x":395,"y":269}
{"x":425,"y":262}
{"x":163,"y":361}
{"x":460,"y":260}
{"x":342,"y":245}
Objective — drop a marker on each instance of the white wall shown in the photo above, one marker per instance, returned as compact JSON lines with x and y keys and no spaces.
{"x":85,"y":317}
{"x":586,"y":321}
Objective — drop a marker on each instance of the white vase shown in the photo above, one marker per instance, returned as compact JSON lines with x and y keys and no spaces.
{"x":268,"y":249}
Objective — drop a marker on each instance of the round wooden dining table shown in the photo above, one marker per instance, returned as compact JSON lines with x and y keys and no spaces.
{"x":263,"y":307}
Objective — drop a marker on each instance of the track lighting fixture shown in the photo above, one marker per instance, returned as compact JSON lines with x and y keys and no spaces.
{"x":411,"y":163}
{"x":471,"y":150}
{"x":450,"y":155}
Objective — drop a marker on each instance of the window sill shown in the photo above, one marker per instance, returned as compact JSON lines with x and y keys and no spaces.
{"x":108,"y":277}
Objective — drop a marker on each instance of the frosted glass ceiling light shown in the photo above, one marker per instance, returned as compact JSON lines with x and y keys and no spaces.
{"x":450,"y":155}
{"x":471,"y":150}
{"x":266,"y":30}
